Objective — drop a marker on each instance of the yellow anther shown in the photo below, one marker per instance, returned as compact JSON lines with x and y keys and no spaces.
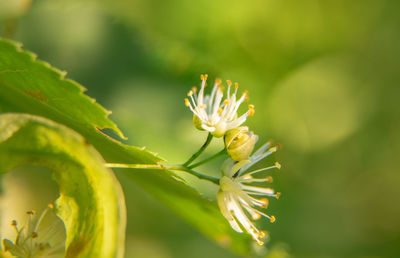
{"x":273,"y":219}
{"x":277,"y":165}
{"x":190,"y":93}
{"x":229,"y":82}
{"x":251,"y":112}
{"x":218,"y":81}
{"x":205,"y":77}
{"x":246,"y":92}
{"x":51,"y":206}
{"x":269,"y":179}
{"x":265,"y":202}
{"x":262,"y":234}
{"x":277,"y":195}
{"x":236,"y":85}
{"x":273,"y":149}
{"x":227,"y":101}
{"x":13,"y":223}
{"x":251,"y":106}
{"x":194,"y":89}
{"x":187,"y":103}
{"x":202,"y":77}
{"x":220,"y":111}
{"x":259,"y":242}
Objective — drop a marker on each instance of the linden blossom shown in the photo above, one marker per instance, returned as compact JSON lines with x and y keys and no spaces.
{"x":214,"y":115}
{"x":235,"y":195}
{"x":34,"y":240}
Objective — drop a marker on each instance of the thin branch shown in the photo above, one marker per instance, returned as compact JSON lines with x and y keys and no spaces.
{"x":194,"y":156}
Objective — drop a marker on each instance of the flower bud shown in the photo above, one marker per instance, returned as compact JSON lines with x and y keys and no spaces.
{"x":239,"y":143}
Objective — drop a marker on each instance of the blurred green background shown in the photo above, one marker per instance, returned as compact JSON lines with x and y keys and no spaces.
{"x":323,"y":76}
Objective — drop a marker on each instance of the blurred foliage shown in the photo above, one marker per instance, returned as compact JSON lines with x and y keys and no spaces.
{"x":323,"y":76}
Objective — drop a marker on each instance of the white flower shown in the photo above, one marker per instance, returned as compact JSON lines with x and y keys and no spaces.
{"x":36,"y":240}
{"x":213,"y":114}
{"x":236,"y":198}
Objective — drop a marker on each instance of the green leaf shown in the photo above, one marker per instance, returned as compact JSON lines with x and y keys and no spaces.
{"x":91,"y":201}
{"x":31,"y":86}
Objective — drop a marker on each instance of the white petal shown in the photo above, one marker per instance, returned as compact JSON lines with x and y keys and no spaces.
{"x":223,"y":200}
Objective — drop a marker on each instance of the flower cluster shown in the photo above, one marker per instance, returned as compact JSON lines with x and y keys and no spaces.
{"x":239,"y":201}
{"x":236,"y":195}
{"x":36,"y":240}
{"x":213,"y":114}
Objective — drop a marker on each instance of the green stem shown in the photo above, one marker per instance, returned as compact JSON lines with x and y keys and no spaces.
{"x":208,"y":159}
{"x":164,"y":167}
{"x":194,"y":156}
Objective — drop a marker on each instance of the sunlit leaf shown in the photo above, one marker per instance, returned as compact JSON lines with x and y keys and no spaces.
{"x":91,"y":201}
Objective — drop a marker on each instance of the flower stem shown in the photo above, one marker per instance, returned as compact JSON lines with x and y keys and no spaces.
{"x":164,"y":167}
{"x":208,"y":159}
{"x":194,"y":156}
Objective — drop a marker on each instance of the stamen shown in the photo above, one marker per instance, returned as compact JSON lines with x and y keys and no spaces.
{"x":263,"y":202}
{"x":204,"y":77}
{"x":253,"y":210}
{"x":226,"y":102}
{"x":229,"y":82}
{"x":251,"y":110}
{"x":187,"y":103}
{"x":277,"y":165}
{"x":249,"y":179}
{"x":236,"y":85}
{"x":220,"y":110}
{"x":262,"y":169}
{"x":246,"y":95}
{"x":254,"y":190}
{"x":194,"y":89}
{"x":218,"y":81}
{"x":277,"y":195}
{"x":15,"y":226}
{"x":271,"y":218}
{"x":190,"y":93}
